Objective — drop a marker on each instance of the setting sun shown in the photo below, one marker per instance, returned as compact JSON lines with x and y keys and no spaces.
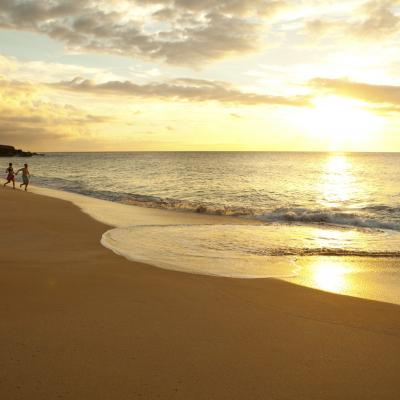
{"x":341,"y":122}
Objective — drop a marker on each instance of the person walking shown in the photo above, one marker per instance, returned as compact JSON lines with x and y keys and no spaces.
{"x":10,"y":175}
{"x":25,"y":176}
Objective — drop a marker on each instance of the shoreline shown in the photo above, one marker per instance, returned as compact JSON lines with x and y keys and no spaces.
{"x":363,"y":277}
{"x":77,"y":321}
{"x":121,"y":215}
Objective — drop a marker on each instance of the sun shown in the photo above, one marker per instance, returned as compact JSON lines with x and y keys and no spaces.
{"x":342,"y":123}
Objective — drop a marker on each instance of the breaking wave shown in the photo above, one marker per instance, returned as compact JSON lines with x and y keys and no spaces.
{"x":374,"y":216}
{"x":328,"y":217}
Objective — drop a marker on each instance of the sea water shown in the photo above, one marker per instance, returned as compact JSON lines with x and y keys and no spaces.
{"x":359,"y":189}
{"x":287,"y":206}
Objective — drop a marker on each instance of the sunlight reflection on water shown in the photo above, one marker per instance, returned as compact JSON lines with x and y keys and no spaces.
{"x":330,"y":276}
{"x":337,"y":185}
{"x":366,"y":277}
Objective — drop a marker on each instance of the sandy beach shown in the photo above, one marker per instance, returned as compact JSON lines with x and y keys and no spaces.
{"x":79,"y":322}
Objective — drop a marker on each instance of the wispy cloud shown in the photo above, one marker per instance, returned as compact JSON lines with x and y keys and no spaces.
{"x":371,"y":21}
{"x":386,"y":98}
{"x":184,"y":89}
{"x":41,"y":71}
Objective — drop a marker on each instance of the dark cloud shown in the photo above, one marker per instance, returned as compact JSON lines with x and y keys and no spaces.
{"x":223,"y":36}
{"x":195,"y":90}
{"x":31,"y":13}
{"x":191,"y":32}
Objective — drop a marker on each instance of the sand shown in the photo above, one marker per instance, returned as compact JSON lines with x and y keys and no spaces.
{"x":79,"y":322}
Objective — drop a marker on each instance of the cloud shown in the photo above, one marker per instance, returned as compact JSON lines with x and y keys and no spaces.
{"x":320,"y":27}
{"x":183,"y":32}
{"x":26,"y":136}
{"x":371,"y":21}
{"x":184,"y":89}
{"x":385,"y":97}
{"x":48,"y":71}
{"x":380,"y":21}
{"x":28,"y":120}
{"x":234,"y":7}
{"x":385,"y":110}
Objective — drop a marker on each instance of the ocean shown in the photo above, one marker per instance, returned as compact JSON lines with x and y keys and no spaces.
{"x":288,"y":206}
{"x":355,"y":190}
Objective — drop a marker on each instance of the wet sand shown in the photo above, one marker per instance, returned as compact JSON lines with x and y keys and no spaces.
{"x":79,"y":322}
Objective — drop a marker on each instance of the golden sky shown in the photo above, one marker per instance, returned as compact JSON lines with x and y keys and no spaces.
{"x":304,"y":75}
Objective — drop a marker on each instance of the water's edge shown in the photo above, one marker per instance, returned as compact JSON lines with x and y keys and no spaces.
{"x":379,"y":277}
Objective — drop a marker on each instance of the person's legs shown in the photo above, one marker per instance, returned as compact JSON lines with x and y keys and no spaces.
{"x":8,"y":181}
{"x":25,"y":182}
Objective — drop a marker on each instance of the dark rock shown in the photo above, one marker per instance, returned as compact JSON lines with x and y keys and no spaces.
{"x":7,"y":151}
{"x":11,"y":151}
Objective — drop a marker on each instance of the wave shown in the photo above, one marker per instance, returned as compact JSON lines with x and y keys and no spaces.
{"x":375,"y":216}
{"x":187,"y":205}
{"x":327,"y":217}
{"x":305,"y":215}
{"x":381,"y":207}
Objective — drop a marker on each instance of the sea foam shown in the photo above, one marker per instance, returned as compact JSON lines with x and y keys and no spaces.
{"x":244,"y":251}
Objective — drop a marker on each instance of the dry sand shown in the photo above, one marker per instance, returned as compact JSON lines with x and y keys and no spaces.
{"x":78,"y":322}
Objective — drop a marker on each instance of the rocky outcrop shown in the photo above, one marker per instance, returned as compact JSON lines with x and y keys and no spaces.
{"x":7,"y":151}
{"x":11,"y":151}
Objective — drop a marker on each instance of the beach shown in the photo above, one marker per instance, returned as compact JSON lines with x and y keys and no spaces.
{"x":80,"y":322}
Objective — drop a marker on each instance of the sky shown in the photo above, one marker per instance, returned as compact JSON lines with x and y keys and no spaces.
{"x":135,"y":75}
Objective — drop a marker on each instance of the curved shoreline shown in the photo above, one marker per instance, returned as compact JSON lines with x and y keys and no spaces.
{"x":365,"y":277}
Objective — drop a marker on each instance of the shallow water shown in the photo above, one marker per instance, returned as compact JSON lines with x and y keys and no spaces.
{"x":245,"y":250}
{"x":359,"y":262}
